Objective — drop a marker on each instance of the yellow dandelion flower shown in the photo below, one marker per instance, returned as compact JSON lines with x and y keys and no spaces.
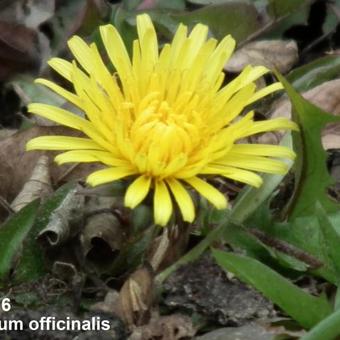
{"x":163,"y":118}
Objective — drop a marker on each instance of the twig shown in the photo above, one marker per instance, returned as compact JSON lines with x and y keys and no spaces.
{"x":6,"y":205}
{"x":285,"y":248}
{"x":67,"y":172}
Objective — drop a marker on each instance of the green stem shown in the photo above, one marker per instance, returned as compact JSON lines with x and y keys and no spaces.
{"x":327,"y":329}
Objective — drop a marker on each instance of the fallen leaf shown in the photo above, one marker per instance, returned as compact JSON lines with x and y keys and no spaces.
{"x":103,"y":234}
{"x":16,"y":164}
{"x":19,"y":49}
{"x":169,"y":246}
{"x":38,"y":186}
{"x":274,"y":54}
{"x":65,"y":221}
{"x":136,"y":297}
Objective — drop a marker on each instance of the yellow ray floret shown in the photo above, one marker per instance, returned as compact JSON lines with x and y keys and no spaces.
{"x":162,"y":119}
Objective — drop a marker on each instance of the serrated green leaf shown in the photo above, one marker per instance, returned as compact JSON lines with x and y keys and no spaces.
{"x":12,"y":235}
{"x":311,"y":175}
{"x":306,"y":309}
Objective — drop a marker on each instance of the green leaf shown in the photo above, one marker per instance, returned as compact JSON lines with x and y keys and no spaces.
{"x":32,"y":261}
{"x":279,"y":8}
{"x":315,"y":73}
{"x":327,"y":329}
{"x":178,"y":5}
{"x":12,"y":235}
{"x":282,"y":16}
{"x":312,"y":177}
{"x":130,"y":5}
{"x":225,"y":19}
{"x":306,"y":309}
{"x":331,"y":239}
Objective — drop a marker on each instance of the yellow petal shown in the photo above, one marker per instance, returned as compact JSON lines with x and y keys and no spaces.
{"x":116,"y":50}
{"x":108,"y":175}
{"x":255,"y":163}
{"x":264,"y":150}
{"x":88,"y":156}
{"x":58,"y":115}
{"x":137,"y":191}
{"x":244,"y":176}
{"x":162,"y":203}
{"x":148,"y":39}
{"x":183,"y":199}
{"x":71,"y":97}
{"x":208,"y":191}
{"x":61,"y":143}
{"x":236,"y":104}
{"x":264,"y":92}
{"x":270,"y":125}
{"x":82,"y":53}
{"x":218,"y":59}
{"x":63,"y":67}
{"x":69,"y":119}
{"x":235,"y":174}
{"x":177,"y":43}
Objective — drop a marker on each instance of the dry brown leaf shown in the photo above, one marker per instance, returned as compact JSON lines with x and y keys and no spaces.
{"x":327,"y":97}
{"x":172,"y":327}
{"x":278,"y":54}
{"x":136,"y":297}
{"x":16,"y":164}
{"x":19,"y":49}
{"x":103,"y":234}
{"x":38,"y":186}
{"x":160,"y":248}
{"x":169,"y":246}
{"x":65,"y":221}
{"x":5,"y":133}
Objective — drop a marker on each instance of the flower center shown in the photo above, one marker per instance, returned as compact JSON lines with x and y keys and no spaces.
{"x":163,"y":137}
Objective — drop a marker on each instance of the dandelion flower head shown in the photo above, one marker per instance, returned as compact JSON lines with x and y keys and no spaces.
{"x":162,"y":119}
